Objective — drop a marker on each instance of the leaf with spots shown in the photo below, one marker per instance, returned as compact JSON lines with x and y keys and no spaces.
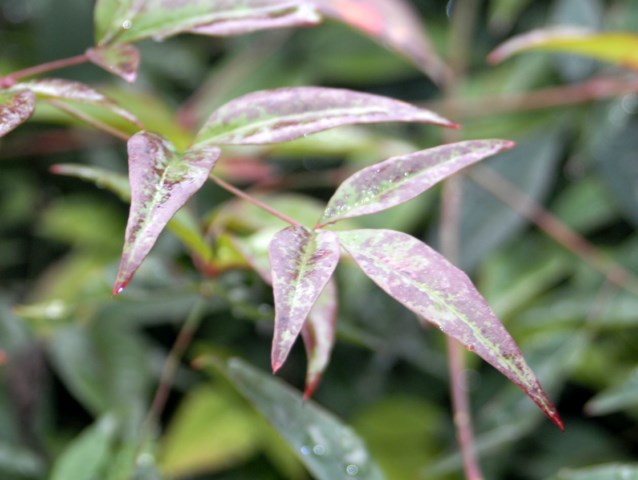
{"x":395,"y":25}
{"x":274,"y":116}
{"x":437,"y":291}
{"x":302,"y":263}
{"x":120,"y":60}
{"x":15,"y":108}
{"x":162,"y":180}
{"x":318,"y":335}
{"x":399,"y":179}
{"x":135,"y":20}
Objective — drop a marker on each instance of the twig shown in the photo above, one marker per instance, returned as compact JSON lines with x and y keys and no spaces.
{"x":258,"y":203}
{"x":509,"y":194}
{"x":12,"y":78}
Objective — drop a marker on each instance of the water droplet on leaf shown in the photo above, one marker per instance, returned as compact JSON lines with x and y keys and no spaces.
{"x":352,"y":470}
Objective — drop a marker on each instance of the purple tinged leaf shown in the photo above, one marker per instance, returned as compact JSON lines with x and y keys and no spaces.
{"x":426,"y":283}
{"x":318,"y":335}
{"x":120,"y":60}
{"x":15,"y":108}
{"x":399,"y":179}
{"x":162,"y":181}
{"x":67,"y":90}
{"x":302,"y":263}
{"x":395,"y":24}
{"x":275,"y":116}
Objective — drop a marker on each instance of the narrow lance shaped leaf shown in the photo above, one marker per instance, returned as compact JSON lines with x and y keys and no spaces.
{"x":120,"y":60}
{"x":399,"y":179}
{"x":426,"y":283}
{"x":615,"y":47}
{"x":15,"y":108}
{"x":395,"y":24}
{"x":275,"y":116}
{"x":318,"y":335}
{"x":161,"y":180}
{"x":302,"y":263}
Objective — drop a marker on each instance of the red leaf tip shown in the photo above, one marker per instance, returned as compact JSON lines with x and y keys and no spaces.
{"x":119,"y":288}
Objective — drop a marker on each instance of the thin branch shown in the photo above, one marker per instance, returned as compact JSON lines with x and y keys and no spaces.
{"x":258,"y":203}
{"x":12,"y":78}
{"x":509,"y":194}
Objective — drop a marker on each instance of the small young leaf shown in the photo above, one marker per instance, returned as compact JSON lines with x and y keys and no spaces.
{"x":318,"y":335}
{"x":15,"y":108}
{"x":302,"y":262}
{"x":275,"y":116}
{"x":399,"y":179}
{"x":614,"y":47}
{"x":67,"y":90}
{"x":426,"y":283}
{"x":395,"y":25}
{"x":120,"y":60}
{"x":162,"y":180}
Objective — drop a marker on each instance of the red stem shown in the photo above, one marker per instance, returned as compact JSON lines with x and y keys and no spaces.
{"x":12,"y":78}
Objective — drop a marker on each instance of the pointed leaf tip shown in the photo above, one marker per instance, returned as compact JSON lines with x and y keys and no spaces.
{"x":119,"y":288}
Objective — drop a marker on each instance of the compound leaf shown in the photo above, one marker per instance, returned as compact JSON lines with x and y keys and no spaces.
{"x":426,"y":283}
{"x":302,"y":262}
{"x":399,"y":179}
{"x":161,"y":180}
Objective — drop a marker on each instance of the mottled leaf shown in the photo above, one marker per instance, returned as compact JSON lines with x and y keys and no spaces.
{"x":426,"y":283}
{"x":67,"y":90}
{"x":15,"y":108}
{"x":318,"y":335}
{"x":274,"y":116}
{"x":136,"y":20}
{"x":395,"y":24}
{"x":120,"y":60}
{"x":614,"y":47}
{"x":302,"y":262}
{"x":328,"y":448}
{"x":161,"y":180}
{"x":614,"y":471}
{"x":399,"y":179}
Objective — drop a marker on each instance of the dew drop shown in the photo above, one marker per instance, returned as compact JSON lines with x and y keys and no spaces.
{"x":352,"y":470}
{"x":319,"y":450}
{"x":305,"y":450}
{"x":127,"y":24}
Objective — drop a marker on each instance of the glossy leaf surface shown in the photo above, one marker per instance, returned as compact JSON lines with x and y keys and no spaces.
{"x":426,"y":283}
{"x":120,"y":60}
{"x":395,"y":24}
{"x":161,"y":180}
{"x":302,"y":262}
{"x":285,"y":114}
{"x":15,"y":108}
{"x":327,"y":447}
{"x":159,"y":19}
{"x":399,"y":179}
{"x":318,"y":335}
{"x":614,"y":47}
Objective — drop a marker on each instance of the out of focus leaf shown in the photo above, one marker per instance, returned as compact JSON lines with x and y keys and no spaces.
{"x":302,"y":263}
{"x":399,"y":179}
{"x":210,"y":431}
{"x":437,"y":291}
{"x":120,"y":60}
{"x":326,"y":446}
{"x":318,"y":334}
{"x":602,"y":472}
{"x":503,"y":13}
{"x":616,"y":398}
{"x":162,"y":181}
{"x":285,"y":114}
{"x":88,"y":453}
{"x":614,"y":47}
{"x":393,"y":24}
{"x":16,"y":106}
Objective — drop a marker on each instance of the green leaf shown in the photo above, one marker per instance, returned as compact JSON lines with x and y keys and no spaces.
{"x":616,"y":398}
{"x":281,"y":115}
{"x":162,"y":181}
{"x":603,"y":472}
{"x":110,"y":17}
{"x":614,"y":47}
{"x":327,"y":447}
{"x":120,"y":60}
{"x":437,"y":291}
{"x":16,"y":106}
{"x":88,"y":453}
{"x":302,"y":263}
{"x":399,"y":179}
